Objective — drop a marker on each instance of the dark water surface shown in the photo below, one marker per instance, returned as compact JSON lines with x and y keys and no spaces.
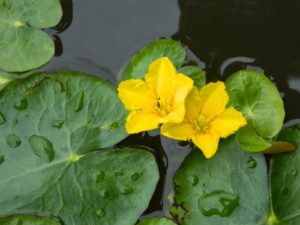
{"x":222,"y":36}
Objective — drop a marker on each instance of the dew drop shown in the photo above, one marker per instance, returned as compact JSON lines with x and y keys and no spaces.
{"x":119,"y":173}
{"x":22,"y":105}
{"x":1,"y":158}
{"x":2,"y":119}
{"x":100,"y":176}
{"x":13,"y":141}
{"x":194,"y":180}
{"x":58,"y":124}
{"x":42,"y":147}
{"x":104,"y":193}
{"x":100,"y":213}
{"x":219,"y":203}
{"x":126,"y":190}
{"x":114,"y":125}
{"x":80,"y":102}
{"x":252,"y":163}
{"x":294,"y":173}
{"x":135,"y":176}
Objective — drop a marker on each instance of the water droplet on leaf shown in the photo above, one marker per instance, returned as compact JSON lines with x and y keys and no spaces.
{"x":104,"y":193}
{"x":42,"y":147}
{"x":22,"y":105}
{"x":114,"y":125}
{"x":13,"y":141}
{"x":80,"y":102}
{"x":100,"y":213}
{"x":219,"y":203}
{"x":1,"y":158}
{"x":2,"y":119}
{"x":194,"y":180}
{"x":100,"y":176}
{"x":294,"y":173}
{"x":126,"y":190}
{"x":119,"y":173}
{"x":252,"y":163}
{"x":135,"y":176}
{"x":58,"y":124}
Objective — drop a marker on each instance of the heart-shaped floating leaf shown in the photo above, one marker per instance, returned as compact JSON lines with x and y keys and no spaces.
{"x":50,"y":124}
{"x":195,"y":73}
{"x":157,"y":221}
{"x":139,"y":64}
{"x":256,"y":96}
{"x":23,"y":46}
{"x":28,"y":220}
{"x":230,"y":188}
{"x":285,"y":180}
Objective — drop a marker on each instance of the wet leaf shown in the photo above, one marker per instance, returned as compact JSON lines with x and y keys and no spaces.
{"x":257,"y":97}
{"x":195,"y":73}
{"x":28,"y":220}
{"x":52,"y":167}
{"x":230,"y":188}
{"x":285,"y":180}
{"x":138,"y":65}
{"x":23,"y":46}
{"x":157,"y":221}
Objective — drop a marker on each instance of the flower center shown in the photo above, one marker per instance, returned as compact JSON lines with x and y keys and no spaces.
{"x":201,"y":124}
{"x":164,"y":107}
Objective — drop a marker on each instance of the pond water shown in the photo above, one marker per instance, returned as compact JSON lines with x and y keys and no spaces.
{"x":98,"y":37}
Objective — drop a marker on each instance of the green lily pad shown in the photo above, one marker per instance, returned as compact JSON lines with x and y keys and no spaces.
{"x":23,"y":46}
{"x":157,"y":221}
{"x":257,"y":97}
{"x":28,"y":220}
{"x":138,"y":65}
{"x":285,"y":180}
{"x":50,"y":126}
{"x":195,"y":73}
{"x":230,"y":188}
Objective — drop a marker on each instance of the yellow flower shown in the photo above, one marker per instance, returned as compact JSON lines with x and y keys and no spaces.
{"x":159,"y":98}
{"x":207,"y":119}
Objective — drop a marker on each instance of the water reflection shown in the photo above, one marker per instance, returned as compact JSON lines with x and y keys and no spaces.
{"x":245,"y":34}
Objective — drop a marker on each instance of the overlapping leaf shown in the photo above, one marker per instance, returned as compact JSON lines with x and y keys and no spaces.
{"x":23,"y":46}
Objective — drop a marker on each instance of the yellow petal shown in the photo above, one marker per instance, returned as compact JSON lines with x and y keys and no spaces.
{"x":180,"y":88}
{"x":227,"y":122}
{"x":214,"y":99}
{"x":192,"y":103}
{"x":160,"y":75}
{"x":135,"y":95}
{"x":139,"y":121}
{"x":182,"y":131}
{"x":207,"y":143}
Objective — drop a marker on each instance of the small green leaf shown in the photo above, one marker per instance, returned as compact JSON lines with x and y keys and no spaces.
{"x":138,"y":65}
{"x":157,"y":221}
{"x":285,"y":180}
{"x":28,"y":220}
{"x":257,"y":97}
{"x":195,"y":73}
{"x":23,"y":46}
{"x":250,"y":140}
{"x":230,"y":188}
